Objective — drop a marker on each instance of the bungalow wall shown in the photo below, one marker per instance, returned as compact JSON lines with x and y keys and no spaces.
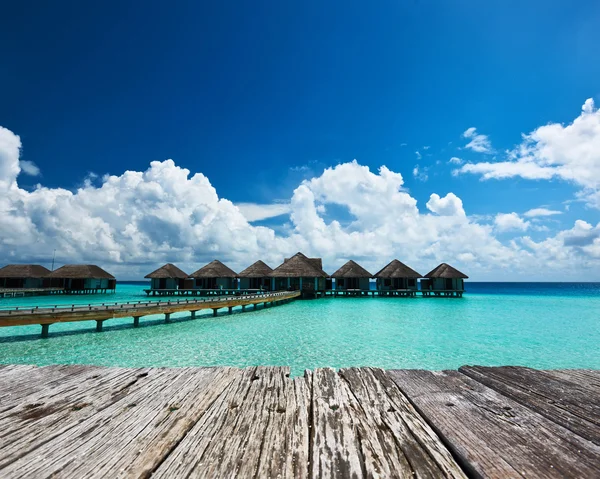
{"x":21,"y":283}
{"x":255,"y":283}
{"x":342,"y":284}
{"x":443,"y":284}
{"x":295,"y":284}
{"x":166,"y":283}
{"x":391,"y":284}
{"x":216,"y":283}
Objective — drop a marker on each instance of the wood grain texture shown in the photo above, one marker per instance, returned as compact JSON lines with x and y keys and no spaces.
{"x":88,"y":421}
{"x":573,"y":405}
{"x":493,"y":435}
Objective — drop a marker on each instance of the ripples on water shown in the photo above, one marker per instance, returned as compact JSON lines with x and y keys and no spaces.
{"x":543,"y":325}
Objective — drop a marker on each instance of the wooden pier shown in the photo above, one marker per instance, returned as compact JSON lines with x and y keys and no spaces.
{"x":94,"y":422}
{"x":136,"y":310}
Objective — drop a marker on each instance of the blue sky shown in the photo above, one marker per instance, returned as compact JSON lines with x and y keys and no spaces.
{"x":261,"y":96}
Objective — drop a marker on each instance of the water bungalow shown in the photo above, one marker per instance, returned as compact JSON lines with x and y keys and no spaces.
{"x":397,"y":279}
{"x":169,"y":278}
{"x":444,"y":280}
{"x":300,"y":273}
{"x":215,"y":276}
{"x":256,"y":276}
{"x":351,"y":278}
{"x":23,"y":276}
{"x":82,"y":279}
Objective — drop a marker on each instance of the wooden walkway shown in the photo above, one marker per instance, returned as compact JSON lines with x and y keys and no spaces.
{"x":86,"y":421}
{"x":136,"y":309}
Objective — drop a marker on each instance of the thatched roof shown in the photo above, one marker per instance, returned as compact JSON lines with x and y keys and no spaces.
{"x":352,"y":270}
{"x":444,"y":270}
{"x":257,"y":270}
{"x":80,"y":271}
{"x":298,"y":266}
{"x":397,"y":269}
{"x":23,"y":271}
{"x":214,"y":269}
{"x":167,"y":271}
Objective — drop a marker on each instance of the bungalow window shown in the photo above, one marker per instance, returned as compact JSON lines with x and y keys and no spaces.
{"x":412,"y":283}
{"x":387,"y":282}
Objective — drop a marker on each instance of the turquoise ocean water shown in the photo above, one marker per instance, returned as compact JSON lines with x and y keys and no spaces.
{"x":542,"y":325}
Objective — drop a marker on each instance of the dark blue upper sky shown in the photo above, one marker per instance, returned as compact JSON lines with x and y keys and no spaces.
{"x":246,"y":91}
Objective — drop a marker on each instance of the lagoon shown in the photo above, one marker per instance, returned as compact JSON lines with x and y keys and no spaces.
{"x":541,"y":325}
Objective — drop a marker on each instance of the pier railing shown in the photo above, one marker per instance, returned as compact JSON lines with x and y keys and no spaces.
{"x":45,"y":316}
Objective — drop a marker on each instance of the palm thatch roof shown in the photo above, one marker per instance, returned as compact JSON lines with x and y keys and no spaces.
{"x":214,"y":269}
{"x":444,"y":270}
{"x":256,"y":270}
{"x":298,"y":266}
{"x":169,"y":270}
{"x":24,"y":271}
{"x":352,"y":270}
{"x":80,"y":271}
{"x":397,"y":269}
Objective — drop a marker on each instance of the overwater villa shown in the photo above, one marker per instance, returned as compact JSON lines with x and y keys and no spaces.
{"x":300,"y":273}
{"x":82,"y":279}
{"x":444,"y":280}
{"x":352,"y":278}
{"x":397,"y":279}
{"x":23,"y":276}
{"x":170,"y":278}
{"x":215,"y":276}
{"x":256,"y":276}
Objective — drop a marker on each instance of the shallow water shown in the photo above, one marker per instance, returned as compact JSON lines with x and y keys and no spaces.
{"x":536,"y":325}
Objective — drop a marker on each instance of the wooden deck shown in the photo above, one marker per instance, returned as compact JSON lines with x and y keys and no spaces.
{"x":136,"y":309}
{"x":86,"y":421}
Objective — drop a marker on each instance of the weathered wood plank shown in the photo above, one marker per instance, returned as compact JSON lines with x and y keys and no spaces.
{"x":574,"y":407}
{"x":258,"y":428}
{"x":133,"y":432}
{"x":492,"y":435}
{"x":583,"y":377}
{"x":387,"y":418}
{"x":46,"y":414}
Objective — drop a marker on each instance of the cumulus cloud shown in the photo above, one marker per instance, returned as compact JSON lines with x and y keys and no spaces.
{"x":29,"y":168}
{"x":567,"y":152}
{"x":510,"y":222}
{"x":455,"y":161}
{"x":257,"y":212}
{"x":449,"y":205}
{"x":420,"y":173}
{"x":536,"y":212}
{"x":479,"y":143}
{"x":135,"y":220}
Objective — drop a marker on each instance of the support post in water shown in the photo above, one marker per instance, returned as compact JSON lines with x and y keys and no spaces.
{"x":230,"y":309}
{"x":167,"y":317}
{"x":45,"y":329}
{"x":214,"y":311}
{"x":193,"y":314}
{"x":255,"y":305}
{"x":99,"y":323}
{"x":243,"y":307}
{"x":136,"y":321}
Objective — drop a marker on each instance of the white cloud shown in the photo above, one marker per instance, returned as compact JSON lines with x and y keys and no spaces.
{"x":455,"y":161}
{"x":136,"y":220}
{"x":479,"y":143}
{"x":29,"y":168}
{"x":567,"y":152}
{"x":419,"y":156}
{"x":449,"y":205}
{"x":510,"y":222}
{"x":256,"y":212}
{"x":420,"y":173}
{"x":535,"y":212}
